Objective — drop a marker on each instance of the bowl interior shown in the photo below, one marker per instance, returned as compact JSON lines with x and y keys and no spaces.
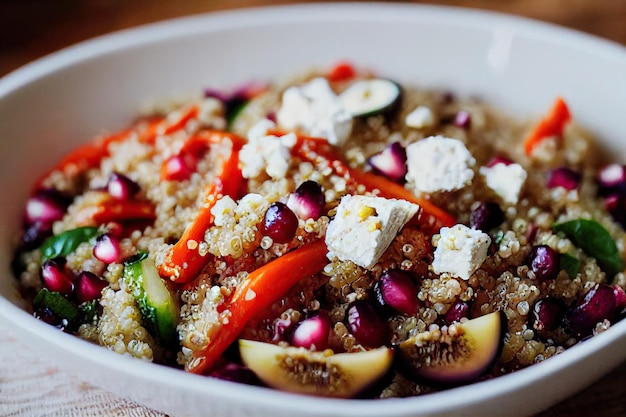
{"x":50,"y":106}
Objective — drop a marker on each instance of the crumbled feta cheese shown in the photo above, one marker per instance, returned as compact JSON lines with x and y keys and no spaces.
{"x":364,"y":227}
{"x":438,"y":163}
{"x":506,"y":180}
{"x":317,"y":110}
{"x":223,"y":209}
{"x":266,"y":152}
{"x":420,"y":118}
{"x":460,"y":251}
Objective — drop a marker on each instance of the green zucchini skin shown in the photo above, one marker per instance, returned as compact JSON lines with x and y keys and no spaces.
{"x":158,"y":306}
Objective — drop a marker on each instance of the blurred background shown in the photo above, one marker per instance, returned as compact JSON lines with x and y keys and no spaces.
{"x":33,"y":28}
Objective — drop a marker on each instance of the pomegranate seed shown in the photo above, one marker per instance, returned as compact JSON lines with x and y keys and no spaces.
{"x":312,"y":333}
{"x":122,"y":187}
{"x":179,"y":167}
{"x":546,"y":316}
{"x":35,"y":234}
{"x":46,"y":206}
{"x":612,"y":180}
{"x":308,"y":201}
{"x":279,"y":223}
{"x":595,"y":306}
{"x":457,"y":311}
{"x":498,"y":160}
{"x":486,"y":216}
{"x":107,"y":248}
{"x":365,"y":325}
{"x":564,"y":177}
{"x":396,"y":289}
{"x":55,"y":278}
{"x":390,"y":162}
{"x":463,"y":119}
{"x":620,"y":298}
{"x":89,"y":286}
{"x":544,"y":262}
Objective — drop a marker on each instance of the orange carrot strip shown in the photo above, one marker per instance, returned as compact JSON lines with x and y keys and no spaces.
{"x":390,"y":189}
{"x":86,"y":156}
{"x":112,"y":210}
{"x":170,"y":124}
{"x":260,"y":289}
{"x":313,"y":148}
{"x":551,"y":125}
{"x":183,"y":262}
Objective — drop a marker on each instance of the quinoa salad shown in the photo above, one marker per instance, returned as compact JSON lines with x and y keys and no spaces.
{"x":337,"y":234}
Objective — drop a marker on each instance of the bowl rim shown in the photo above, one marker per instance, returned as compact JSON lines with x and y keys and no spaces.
{"x":278,"y":400}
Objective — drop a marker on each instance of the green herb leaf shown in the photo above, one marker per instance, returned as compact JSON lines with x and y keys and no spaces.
{"x":58,"y":304}
{"x":595,"y":240}
{"x":65,"y":243}
{"x":89,"y":311}
{"x":233,"y":111}
{"x":570,"y":264}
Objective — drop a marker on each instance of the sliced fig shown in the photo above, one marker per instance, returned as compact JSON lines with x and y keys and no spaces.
{"x":454,"y":355}
{"x":302,"y":371}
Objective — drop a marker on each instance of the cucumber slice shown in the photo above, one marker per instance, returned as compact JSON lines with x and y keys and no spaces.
{"x":159,"y":309}
{"x":366,"y":98}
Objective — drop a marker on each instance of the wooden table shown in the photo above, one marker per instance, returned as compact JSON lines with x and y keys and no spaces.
{"x":32,"y":28}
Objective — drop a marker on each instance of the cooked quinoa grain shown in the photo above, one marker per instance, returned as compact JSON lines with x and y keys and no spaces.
{"x":192,"y":232}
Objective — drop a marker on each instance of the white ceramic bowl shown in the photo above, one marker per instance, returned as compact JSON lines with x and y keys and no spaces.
{"x":50,"y":106}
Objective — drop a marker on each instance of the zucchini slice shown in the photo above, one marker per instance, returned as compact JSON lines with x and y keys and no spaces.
{"x":370,"y":97}
{"x":159,"y":308}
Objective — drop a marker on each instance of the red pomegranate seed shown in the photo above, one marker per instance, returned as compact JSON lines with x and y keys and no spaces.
{"x":46,"y":207}
{"x":89,"y":286}
{"x":390,"y":162}
{"x":122,"y":187}
{"x":457,"y":311}
{"x":308,"y":201}
{"x":365,"y":325}
{"x":595,"y":306}
{"x":107,"y":248}
{"x":179,"y":167}
{"x":55,"y":278}
{"x":544,"y":262}
{"x":279,"y":223}
{"x":312,"y":332}
{"x":546,"y":316}
{"x":564,"y":177}
{"x":397,"y":289}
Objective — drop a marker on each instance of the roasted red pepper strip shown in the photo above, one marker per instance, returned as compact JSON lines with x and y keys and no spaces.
{"x":551,"y":125}
{"x":110,"y":209}
{"x":260,"y":289}
{"x":183,"y":262}
{"x":313,"y":148}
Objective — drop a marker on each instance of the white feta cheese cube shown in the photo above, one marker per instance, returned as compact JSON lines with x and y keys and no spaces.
{"x":315,"y":109}
{"x":460,"y":251}
{"x":506,"y":180}
{"x":420,"y":118}
{"x":438,"y":163}
{"x":364,"y":227}
{"x":266,"y":152}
